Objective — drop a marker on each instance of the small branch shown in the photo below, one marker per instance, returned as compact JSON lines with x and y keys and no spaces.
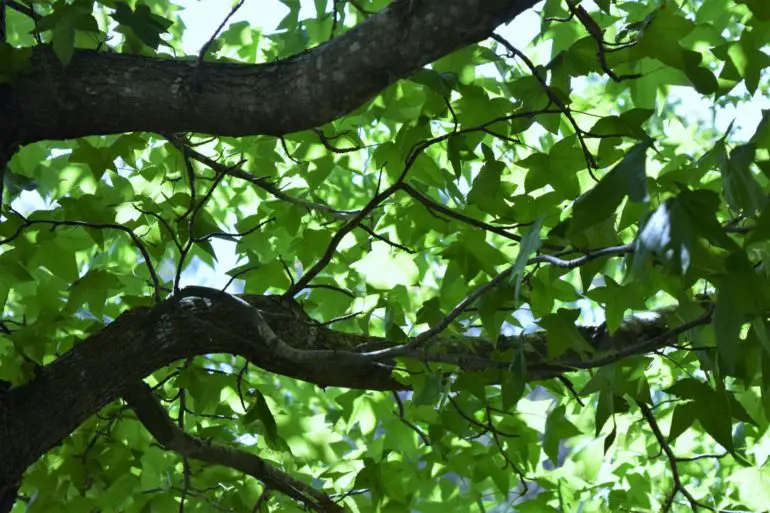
{"x":433,"y":205}
{"x":644,"y":346}
{"x":3,"y":165}
{"x":263,"y":497}
{"x":155,"y":419}
{"x":386,"y":240}
{"x":341,"y":318}
{"x":590,"y":161}
{"x":110,"y":226}
{"x":571,"y":387}
{"x":238,"y":274}
{"x":23,"y":9}
{"x":180,"y":423}
{"x":672,"y":461}
{"x":411,"y":425}
{"x":191,"y":181}
{"x":595,"y":32}
{"x":194,"y":209}
{"x":3,"y":27}
{"x":163,"y":223}
{"x":263,"y":184}
{"x":577,"y":262}
{"x":205,"y":48}
{"x":360,"y":9}
{"x":234,"y":236}
{"x":508,"y":461}
{"x":356,"y":220}
{"x":702,"y":457}
{"x":332,"y":287}
{"x":335,"y":16}
{"x":326,"y":141}
{"x":485,"y":428}
{"x":471,"y":298}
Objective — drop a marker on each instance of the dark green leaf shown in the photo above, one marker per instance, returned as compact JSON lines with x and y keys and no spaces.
{"x":625,"y":179}
{"x":557,"y":428}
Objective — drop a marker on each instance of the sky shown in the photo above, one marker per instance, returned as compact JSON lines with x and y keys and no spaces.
{"x":202,"y":17}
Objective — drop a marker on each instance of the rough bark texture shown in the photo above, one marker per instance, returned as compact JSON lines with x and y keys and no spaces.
{"x":102,"y":93}
{"x":40,"y":414}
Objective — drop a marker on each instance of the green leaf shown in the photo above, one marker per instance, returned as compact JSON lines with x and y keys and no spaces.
{"x":473,"y":254}
{"x":759,"y":8}
{"x":529,"y":245}
{"x":734,"y":307}
{"x":142,"y":22}
{"x":492,"y":311}
{"x":260,"y":411}
{"x":682,"y":420}
{"x":742,"y":191}
{"x":494,"y":150}
{"x":63,"y":39}
{"x":563,"y":336}
{"x":714,"y":410}
{"x":626,"y":179}
{"x":616,"y":300}
{"x":661,"y":40}
{"x":64,"y":21}
{"x":765,"y":383}
{"x":98,"y":159}
{"x":610,"y":439}
{"x":761,"y":137}
{"x":93,"y":289}
{"x":605,"y":408}
{"x":514,"y":384}
{"x":672,"y":232}
{"x":486,"y":192}
{"x":557,"y":428}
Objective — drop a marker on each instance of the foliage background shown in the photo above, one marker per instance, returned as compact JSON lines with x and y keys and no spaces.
{"x":483,"y":133}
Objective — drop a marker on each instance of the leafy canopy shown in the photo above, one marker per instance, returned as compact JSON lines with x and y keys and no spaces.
{"x":593,"y":167}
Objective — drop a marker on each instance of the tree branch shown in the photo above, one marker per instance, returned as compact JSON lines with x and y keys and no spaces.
{"x":152,"y":415}
{"x":104,"y":93}
{"x":101,"y":368}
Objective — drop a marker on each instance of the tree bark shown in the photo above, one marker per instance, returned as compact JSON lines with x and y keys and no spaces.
{"x":104,"y":93}
{"x":37,"y":416}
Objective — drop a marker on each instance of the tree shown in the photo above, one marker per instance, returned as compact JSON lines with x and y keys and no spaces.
{"x":470,"y":276}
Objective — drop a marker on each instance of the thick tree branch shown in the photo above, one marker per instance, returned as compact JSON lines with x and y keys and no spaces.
{"x":101,"y":369}
{"x":103,"y":93}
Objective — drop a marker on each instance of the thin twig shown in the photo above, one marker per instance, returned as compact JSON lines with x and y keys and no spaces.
{"x":590,"y":160}
{"x":205,"y":48}
{"x":85,"y":224}
{"x":411,"y":425}
{"x":672,"y":461}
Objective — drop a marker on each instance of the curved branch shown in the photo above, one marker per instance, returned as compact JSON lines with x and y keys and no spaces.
{"x":103,"y":93}
{"x":152,"y":415}
{"x":672,"y":461}
{"x":97,"y":226}
{"x":103,"y":367}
